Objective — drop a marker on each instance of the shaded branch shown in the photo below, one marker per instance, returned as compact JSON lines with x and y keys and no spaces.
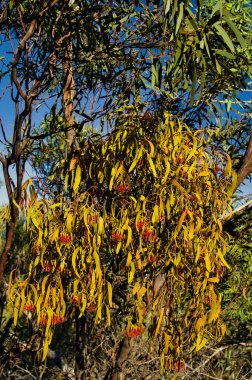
{"x":246,"y":167}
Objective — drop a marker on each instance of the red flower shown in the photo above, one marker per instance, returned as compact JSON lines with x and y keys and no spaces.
{"x":64,"y":239}
{"x":148,"y":235}
{"x":134,"y":331}
{"x":151,"y":259}
{"x":122,"y":188}
{"x":57,"y":319}
{"x":47,"y":267}
{"x":140,"y":224}
{"x":43,"y":320}
{"x":90,"y":308}
{"x":116,"y":237}
{"x":28,"y":307}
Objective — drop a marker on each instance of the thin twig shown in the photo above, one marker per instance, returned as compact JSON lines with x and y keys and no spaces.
{"x":26,"y":371}
{"x":209,"y":359}
{"x":228,"y":216}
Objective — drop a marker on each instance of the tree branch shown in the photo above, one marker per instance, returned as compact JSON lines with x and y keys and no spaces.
{"x":17,"y":56}
{"x":231,"y":214}
{"x":246,"y":167}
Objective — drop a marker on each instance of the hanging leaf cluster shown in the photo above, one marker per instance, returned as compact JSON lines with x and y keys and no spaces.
{"x":136,"y":232}
{"x":209,"y":43}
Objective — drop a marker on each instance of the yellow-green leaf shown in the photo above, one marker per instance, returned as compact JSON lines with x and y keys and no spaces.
{"x":160,"y":320}
{"x":109,"y":293}
{"x":77,"y":178}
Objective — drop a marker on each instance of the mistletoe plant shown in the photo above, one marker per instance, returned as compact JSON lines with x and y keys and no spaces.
{"x":134,"y":236}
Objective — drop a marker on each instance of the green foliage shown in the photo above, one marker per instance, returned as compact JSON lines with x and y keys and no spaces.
{"x":237,"y":285}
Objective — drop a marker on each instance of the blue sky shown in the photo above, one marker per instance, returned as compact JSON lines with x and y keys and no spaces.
{"x":7,"y":113}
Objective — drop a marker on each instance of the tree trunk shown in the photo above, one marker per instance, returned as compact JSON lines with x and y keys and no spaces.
{"x":68,"y":96}
{"x":246,"y":167}
{"x":80,"y":347}
{"x":10,"y":229}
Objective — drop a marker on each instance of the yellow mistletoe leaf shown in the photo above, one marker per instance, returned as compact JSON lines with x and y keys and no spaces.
{"x":213,"y":279}
{"x":201,"y":342}
{"x":160,"y":320}
{"x":215,"y":311}
{"x":44,"y":284}
{"x":136,"y":159}
{"x":141,"y":292}
{"x":153,"y":169}
{"x":180,"y":223}
{"x":152,"y":149}
{"x":135,"y":288}
{"x":100,"y":226}
{"x":77,"y":178}
{"x":69,"y":222}
{"x":167,"y":171}
{"x":72,"y":163}
{"x":203,"y":173}
{"x":223,"y":260}
{"x":129,"y":259}
{"x":139,"y":261}
{"x":109,"y":293}
{"x":155,"y":216}
{"x":108,"y":316}
{"x":74,"y":256}
{"x":129,"y":237}
{"x":131,"y":272}
{"x":207,"y":262}
{"x":167,"y":341}
{"x":200,"y":323}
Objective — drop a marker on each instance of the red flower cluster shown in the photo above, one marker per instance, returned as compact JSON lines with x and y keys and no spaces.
{"x":64,"y":239}
{"x":58,"y":319}
{"x":28,"y":307}
{"x":151,"y":259}
{"x":122,"y":188}
{"x":47,"y":267}
{"x":90,"y":308}
{"x":116,"y":237}
{"x":140,"y":224}
{"x":134,"y":331}
{"x":148,"y":235}
{"x":43,"y":320}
